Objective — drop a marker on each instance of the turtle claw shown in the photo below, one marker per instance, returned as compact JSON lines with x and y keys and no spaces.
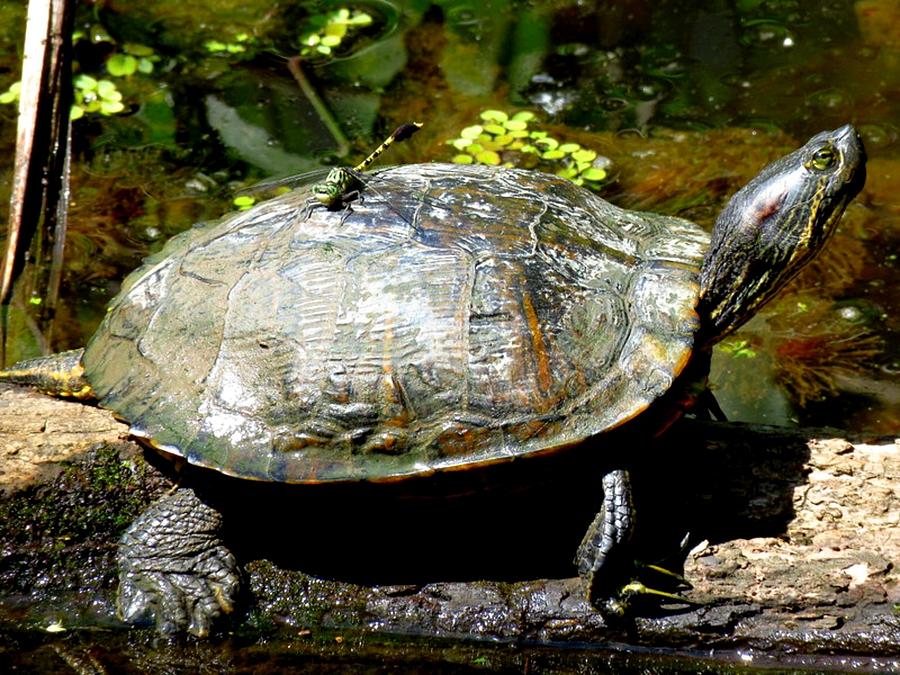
{"x":178,"y":602}
{"x":620,"y":605}
{"x":173,"y":571}
{"x":636,"y":588}
{"x":677,"y":580}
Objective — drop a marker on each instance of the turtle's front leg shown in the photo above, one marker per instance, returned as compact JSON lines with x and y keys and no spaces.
{"x":173,"y":567}
{"x":604,"y":560}
{"x":602,"y":557}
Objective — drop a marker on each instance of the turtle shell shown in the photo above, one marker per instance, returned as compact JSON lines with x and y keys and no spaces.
{"x":453,"y":317}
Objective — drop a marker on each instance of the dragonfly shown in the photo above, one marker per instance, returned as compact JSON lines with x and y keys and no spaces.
{"x":343,"y":184}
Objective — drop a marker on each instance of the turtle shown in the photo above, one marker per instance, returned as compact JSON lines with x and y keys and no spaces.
{"x":514,"y":315}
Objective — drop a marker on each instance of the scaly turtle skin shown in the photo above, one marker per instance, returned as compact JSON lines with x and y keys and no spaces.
{"x":512,"y":314}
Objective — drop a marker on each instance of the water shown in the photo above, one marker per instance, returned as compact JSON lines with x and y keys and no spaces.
{"x":210,"y":118}
{"x":687,"y":102}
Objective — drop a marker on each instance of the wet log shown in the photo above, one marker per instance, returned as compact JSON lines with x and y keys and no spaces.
{"x":795,"y":542}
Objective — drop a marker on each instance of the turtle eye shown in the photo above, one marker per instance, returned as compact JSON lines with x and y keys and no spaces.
{"x":822,"y":159}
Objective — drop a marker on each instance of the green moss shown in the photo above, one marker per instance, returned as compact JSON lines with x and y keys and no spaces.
{"x":62,"y":534}
{"x":308,"y":600}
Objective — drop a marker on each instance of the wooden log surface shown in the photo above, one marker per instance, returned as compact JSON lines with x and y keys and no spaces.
{"x":795,"y":545}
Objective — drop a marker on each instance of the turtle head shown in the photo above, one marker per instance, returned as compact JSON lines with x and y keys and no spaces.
{"x":775,"y":225}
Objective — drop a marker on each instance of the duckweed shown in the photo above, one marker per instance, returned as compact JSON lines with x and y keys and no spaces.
{"x":502,"y":139}
{"x":326,"y":32}
{"x":244,"y":202}
{"x":239,"y":45}
{"x":92,"y":95}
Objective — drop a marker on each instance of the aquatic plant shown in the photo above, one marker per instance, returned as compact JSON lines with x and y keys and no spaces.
{"x":93,"y":95}
{"x":325,"y":32}
{"x":504,"y":140}
{"x":238,"y":45}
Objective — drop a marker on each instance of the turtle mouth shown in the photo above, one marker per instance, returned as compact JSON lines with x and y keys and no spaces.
{"x":849,"y":143}
{"x":847,"y":182}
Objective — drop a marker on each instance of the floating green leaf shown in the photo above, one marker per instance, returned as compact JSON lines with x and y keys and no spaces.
{"x":86,"y":82}
{"x":494,"y":116}
{"x":244,"y":202}
{"x":460,"y":143}
{"x":12,"y":94}
{"x":111,"y":107}
{"x":137,"y":49}
{"x":594,"y":174}
{"x":107,"y":89}
{"x":472,"y":132}
{"x":98,"y":34}
{"x":463,"y":159}
{"x":119,"y":65}
{"x":360,"y":19}
{"x":488,"y":157}
{"x":336,"y":30}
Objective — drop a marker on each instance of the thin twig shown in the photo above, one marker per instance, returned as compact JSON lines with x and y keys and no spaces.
{"x":295,"y":66}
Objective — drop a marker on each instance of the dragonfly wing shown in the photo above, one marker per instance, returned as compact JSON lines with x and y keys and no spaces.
{"x":294,"y":181}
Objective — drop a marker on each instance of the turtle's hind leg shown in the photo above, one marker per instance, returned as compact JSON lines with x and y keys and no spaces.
{"x":60,"y":375}
{"x":174,"y":569}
